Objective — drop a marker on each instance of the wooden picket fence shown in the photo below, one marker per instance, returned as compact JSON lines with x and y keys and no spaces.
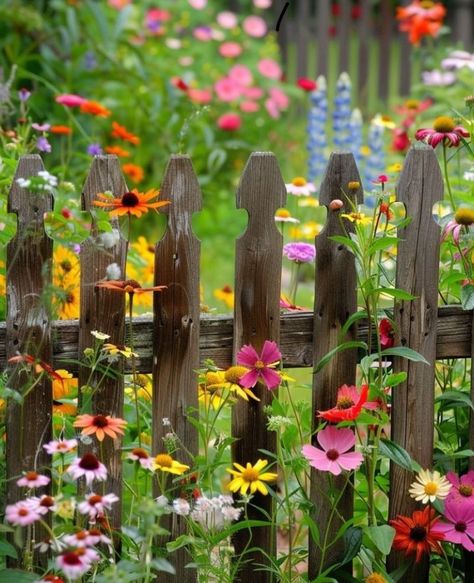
{"x":174,"y":343}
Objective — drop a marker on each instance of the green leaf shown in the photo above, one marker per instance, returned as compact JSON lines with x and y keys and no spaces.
{"x":7,"y":550}
{"x":163,"y":565}
{"x":347,"y":242}
{"x":352,"y":543}
{"x":468,"y":453}
{"x":398,"y":455}
{"x":467,"y":296}
{"x":455,"y":397}
{"x":382,"y":537}
{"x":394,"y":379}
{"x":381,"y":243}
{"x":180,"y":542}
{"x":352,"y":319}
{"x":344,"y":346}
{"x":9,"y":575}
{"x":399,"y":294}
{"x":405,"y":352}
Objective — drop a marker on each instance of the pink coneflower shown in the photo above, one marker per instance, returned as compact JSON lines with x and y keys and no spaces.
{"x":463,"y":487}
{"x":89,"y":467}
{"x":86,"y":538}
{"x":42,"y":505}
{"x":22,"y":513}
{"x":335,"y":455}
{"x":438,"y":78}
{"x":77,"y":562}
{"x":101,"y":425}
{"x":261,"y":365}
{"x":60,"y":446}
{"x":141,"y":456}
{"x":95,"y":504}
{"x":70,"y":100}
{"x":255,"y":26}
{"x":463,"y":217}
{"x":460,"y":528}
{"x":444,"y":131}
{"x":51,"y":578}
{"x":33,"y":480}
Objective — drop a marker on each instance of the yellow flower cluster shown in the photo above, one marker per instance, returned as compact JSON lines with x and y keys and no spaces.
{"x":66,"y":296}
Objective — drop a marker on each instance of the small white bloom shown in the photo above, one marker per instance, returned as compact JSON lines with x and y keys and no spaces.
{"x":113,"y":272}
{"x":100,"y":335}
{"x":166,"y":422}
{"x":109,"y":240}
{"x":181,"y":506}
{"x":162,"y":501}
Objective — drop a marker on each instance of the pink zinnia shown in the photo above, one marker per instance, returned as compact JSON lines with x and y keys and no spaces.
{"x":335,"y":455}
{"x":463,"y":487}
{"x":252,"y":92}
{"x":249,"y":106}
{"x":227,"y":89}
{"x":198,"y":4}
{"x":230,"y":50}
{"x":22,"y":513}
{"x":269,"y":68}
{"x":33,"y":480}
{"x":229,"y":122}
{"x":255,"y":26}
{"x":227,"y":19}
{"x":96,"y":504}
{"x":460,"y":528}
{"x":261,"y":365}
{"x":241,"y":75}
{"x":70,"y":100}
{"x":89,"y":467}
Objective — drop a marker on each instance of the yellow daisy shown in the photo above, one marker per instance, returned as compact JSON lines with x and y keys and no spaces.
{"x":114,"y":349}
{"x":358,"y":218}
{"x":229,"y":379}
{"x":65,"y":388}
{"x":250,"y":477}
{"x":429,"y":486}
{"x":166,"y":463}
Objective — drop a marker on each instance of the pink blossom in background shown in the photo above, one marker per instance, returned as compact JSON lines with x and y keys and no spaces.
{"x":241,"y":74}
{"x":198,"y":4}
{"x":203,"y":33}
{"x":227,"y":89}
{"x":272,"y":108}
{"x":269,"y":68}
{"x":227,"y":19}
{"x":262,"y":3}
{"x":201,"y":96}
{"x":229,"y":122}
{"x":255,"y":26}
{"x":21,"y":513}
{"x":157,"y":14}
{"x":249,"y":106}
{"x":119,"y":4}
{"x":70,"y":100}
{"x":186,"y":61}
{"x":334,"y":455}
{"x":252,"y":92}
{"x":230,"y":50}
{"x":279,"y":97}
{"x":438,"y":78}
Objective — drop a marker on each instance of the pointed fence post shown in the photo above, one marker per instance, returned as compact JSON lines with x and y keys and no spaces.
{"x":419,"y":188}
{"x":29,"y":256}
{"x":335,"y":301}
{"x":103,"y":310}
{"x":176,"y":332}
{"x":258,"y":263}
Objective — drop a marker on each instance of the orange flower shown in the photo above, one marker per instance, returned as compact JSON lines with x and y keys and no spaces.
{"x":122,"y":133}
{"x":118,"y":151}
{"x":95,"y":108}
{"x":129,"y":286}
{"x":131,"y":203}
{"x":39,"y":366}
{"x":65,"y":130}
{"x":101,"y":425}
{"x":421,"y":18}
{"x":134,"y":172}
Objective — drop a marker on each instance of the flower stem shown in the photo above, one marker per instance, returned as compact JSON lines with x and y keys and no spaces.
{"x":446,"y":177}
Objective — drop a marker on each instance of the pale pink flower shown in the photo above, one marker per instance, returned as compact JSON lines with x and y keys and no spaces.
{"x":227,"y":19}
{"x":249,"y":106}
{"x":33,"y":480}
{"x":438,"y":78}
{"x":198,"y":4}
{"x":95,"y":504}
{"x":42,"y":505}
{"x":201,"y":96}
{"x":255,"y":26}
{"x":21,"y":514}
{"x":458,"y":60}
{"x":252,"y":92}
{"x":335,"y":455}
{"x":230,"y":50}
{"x":141,"y":456}
{"x":262,"y":3}
{"x":241,"y":74}
{"x":41,"y":127}
{"x":60,"y":446}
{"x":76,"y":563}
{"x":227,"y":89}
{"x":70,"y":100}
{"x":272,"y":108}
{"x":269,"y":68}
{"x":89,"y":467}
{"x":203,"y":33}
{"x":261,"y":365}
{"x":279,"y":97}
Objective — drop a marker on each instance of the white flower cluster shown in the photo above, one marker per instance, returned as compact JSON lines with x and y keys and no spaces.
{"x":43,"y":182}
{"x":109,"y":240}
{"x":215,"y":513}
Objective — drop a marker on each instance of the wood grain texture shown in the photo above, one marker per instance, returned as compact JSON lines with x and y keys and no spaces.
{"x":103,"y":310}
{"x":335,"y":272}
{"x":322,"y":36}
{"x":258,"y":263}
{"x":363,"y":61}
{"x":385,"y":30}
{"x":29,"y":256}
{"x":419,"y":188}
{"x":176,"y":331}
{"x":302,"y":38}
{"x":344,"y":35}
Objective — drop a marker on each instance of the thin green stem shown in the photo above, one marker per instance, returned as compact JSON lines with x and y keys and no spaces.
{"x":446,"y":178}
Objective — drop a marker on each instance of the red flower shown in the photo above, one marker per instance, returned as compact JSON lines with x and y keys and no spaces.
{"x":400,"y":141}
{"x":306,"y":84}
{"x":386,"y":332}
{"x":416,"y":535}
{"x":385,"y":210}
{"x":179,"y":84}
{"x":349,"y":404}
{"x":382,"y":179}
{"x":229,"y":122}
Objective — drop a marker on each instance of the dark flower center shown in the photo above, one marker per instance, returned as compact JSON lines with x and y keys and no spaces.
{"x":23,"y":512}
{"x":130,"y":199}
{"x":140,"y":453}
{"x":332,"y":454}
{"x":31,"y":476}
{"x":72,"y":559}
{"x":418,"y":533}
{"x":66,"y":265}
{"x":100,"y":421}
{"x":460,"y":526}
{"x":70,"y":298}
{"x":81,"y":535}
{"x":95,"y":532}
{"x":47,"y":501}
{"x":95,"y":499}
{"x":89,"y":462}
{"x":344,"y":403}
{"x":465,"y":490}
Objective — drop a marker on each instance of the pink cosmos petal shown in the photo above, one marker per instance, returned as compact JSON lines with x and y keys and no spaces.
{"x":249,"y":379}
{"x":350,"y":461}
{"x":270,"y":352}
{"x":334,"y":468}
{"x":454,"y":478}
{"x":271,"y":378}
{"x":247,"y":355}
{"x":70,"y":100}
{"x":316,"y":457}
{"x":338,"y":439}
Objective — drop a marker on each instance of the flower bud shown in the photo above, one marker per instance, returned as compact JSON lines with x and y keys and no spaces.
{"x":336,"y":204}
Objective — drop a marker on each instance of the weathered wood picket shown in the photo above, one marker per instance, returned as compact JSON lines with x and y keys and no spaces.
{"x":174,"y":343}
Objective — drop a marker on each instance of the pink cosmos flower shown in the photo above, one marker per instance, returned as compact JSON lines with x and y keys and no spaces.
{"x":95,"y":504}
{"x":241,"y":74}
{"x":89,"y":467}
{"x":269,"y":68}
{"x":463,"y":487}
{"x":249,"y":107}
{"x":255,"y":26}
{"x":60,"y":446}
{"x":460,"y":528}
{"x":261,"y":365}
{"x":77,"y":562}
{"x":21,"y":514}
{"x":201,"y":96}
{"x":335,"y":455}
{"x":227,"y":19}
{"x":230,"y":50}
{"x":33,"y":480}
{"x":70,"y":100}
{"x":229,"y":122}
{"x":227,"y":89}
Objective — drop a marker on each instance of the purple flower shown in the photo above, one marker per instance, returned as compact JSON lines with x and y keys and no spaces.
{"x":43,"y":145}
{"x":94,"y":149}
{"x":300,"y":252}
{"x":24,"y":94}
{"x":41,"y":127}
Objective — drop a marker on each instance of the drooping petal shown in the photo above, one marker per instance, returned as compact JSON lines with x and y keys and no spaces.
{"x":249,"y":379}
{"x":271,"y":378}
{"x":351,"y":460}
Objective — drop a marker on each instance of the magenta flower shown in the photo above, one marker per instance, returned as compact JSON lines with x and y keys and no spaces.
{"x":22,"y":513}
{"x":70,"y":100}
{"x":335,"y":455}
{"x":261,"y":366}
{"x":444,"y":131}
{"x":460,"y":528}
{"x":463,"y":488}
{"x":300,"y":252}
{"x":89,"y":467}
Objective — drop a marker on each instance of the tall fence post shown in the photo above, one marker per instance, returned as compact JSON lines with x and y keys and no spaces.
{"x":258,"y":263}
{"x":103,"y":310}
{"x":469,"y":556}
{"x":176,"y":332}
{"x":335,"y":301}
{"x":419,"y":188}
{"x":29,"y":256}
{"x":322,"y":35}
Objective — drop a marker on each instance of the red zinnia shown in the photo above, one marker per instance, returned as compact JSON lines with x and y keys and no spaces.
{"x":349,"y":404}
{"x":416,"y":535}
{"x":306,"y":84}
{"x":386,"y":333}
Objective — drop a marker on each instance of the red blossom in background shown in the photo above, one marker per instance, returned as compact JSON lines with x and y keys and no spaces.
{"x":349,"y":404}
{"x":306,"y":84}
{"x":386,"y":333}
